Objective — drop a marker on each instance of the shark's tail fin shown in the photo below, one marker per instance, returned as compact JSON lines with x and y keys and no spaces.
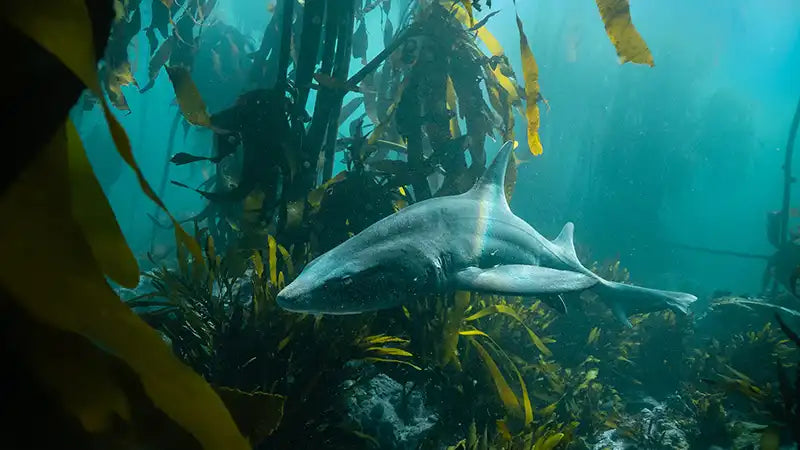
{"x":627,"y":299}
{"x":623,"y":299}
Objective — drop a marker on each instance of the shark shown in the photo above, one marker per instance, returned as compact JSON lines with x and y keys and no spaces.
{"x":467,"y":242}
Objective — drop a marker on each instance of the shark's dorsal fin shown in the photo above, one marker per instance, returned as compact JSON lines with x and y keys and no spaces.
{"x":565,"y":241}
{"x":493,"y":178}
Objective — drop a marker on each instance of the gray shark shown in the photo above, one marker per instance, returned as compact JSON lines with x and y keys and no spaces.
{"x":469,"y":242}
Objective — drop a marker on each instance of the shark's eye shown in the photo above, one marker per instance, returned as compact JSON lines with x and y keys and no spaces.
{"x":347,"y":281}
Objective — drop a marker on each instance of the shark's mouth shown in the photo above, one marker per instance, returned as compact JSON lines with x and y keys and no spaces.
{"x":315,"y":312}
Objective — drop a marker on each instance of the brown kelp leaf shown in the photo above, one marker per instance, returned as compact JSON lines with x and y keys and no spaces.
{"x":94,"y":387}
{"x":78,"y":372}
{"x":333,"y":83}
{"x":189,"y":100}
{"x":63,"y":28}
{"x":483,"y":21}
{"x":76,"y":297}
{"x":158,"y":60}
{"x":360,"y":41}
{"x":630,"y":46}
{"x":257,"y":414}
{"x":114,"y":78}
{"x":388,"y":33}
{"x":530,"y":73}
{"x":91,"y":211}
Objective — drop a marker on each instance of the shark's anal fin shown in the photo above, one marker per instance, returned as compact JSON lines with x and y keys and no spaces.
{"x":522,"y":280}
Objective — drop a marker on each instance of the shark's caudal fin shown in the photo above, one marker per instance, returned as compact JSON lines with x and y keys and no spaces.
{"x":490,"y":184}
{"x":627,"y":299}
{"x":623,"y":299}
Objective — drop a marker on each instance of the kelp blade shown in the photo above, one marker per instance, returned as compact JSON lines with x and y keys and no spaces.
{"x":92,"y":212}
{"x":77,"y":299}
{"x":505,"y":392}
{"x":616,"y":15}
{"x":257,"y":414}
{"x":63,"y":28}
{"x":190,"y":102}
{"x":530,"y":72}
{"x":94,"y":387}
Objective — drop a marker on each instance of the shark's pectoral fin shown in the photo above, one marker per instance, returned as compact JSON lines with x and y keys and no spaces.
{"x":522,"y":280}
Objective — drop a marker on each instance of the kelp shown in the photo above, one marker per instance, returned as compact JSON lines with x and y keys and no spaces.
{"x":190,"y":102}
{"x":107,"y":398}
{"x":628,"y":42}
{"x":93,"y":214}
{"x":71,"y":41}
{"x":77,"y":298}
{"x":257,"y":414}
{"x":501,"y":308}
{"x":530,"y":72}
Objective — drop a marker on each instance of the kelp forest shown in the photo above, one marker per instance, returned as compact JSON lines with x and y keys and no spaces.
{"x":185,"y":347}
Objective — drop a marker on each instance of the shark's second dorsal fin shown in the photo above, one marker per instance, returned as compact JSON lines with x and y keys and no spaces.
{"x":565,"y":241}
{"x":493,"y":178}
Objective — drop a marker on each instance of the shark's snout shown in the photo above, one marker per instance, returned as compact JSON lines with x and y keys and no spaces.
{"x":294,"y":298}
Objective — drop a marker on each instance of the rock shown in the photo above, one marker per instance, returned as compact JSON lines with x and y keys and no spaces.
{"x":653,"y":427}
{"x":395,"y":415}
{"x":145,"y":286}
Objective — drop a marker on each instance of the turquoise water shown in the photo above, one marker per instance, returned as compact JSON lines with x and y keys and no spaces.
{"x":689,"y":151}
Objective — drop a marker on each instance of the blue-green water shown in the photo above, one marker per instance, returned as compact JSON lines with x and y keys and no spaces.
{"x":689,"y":151}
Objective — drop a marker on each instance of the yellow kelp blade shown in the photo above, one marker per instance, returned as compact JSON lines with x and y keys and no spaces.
{"x":530,"y":72}
{"x":63,"y":28}
{"x":91,"y":211}
{"x":484,"y":35}
{"x":73,"y":296}
{"x":273,"y":259}
{"x":527,"y":409}
{"x":468,"y":6}
{"x":287,"y":259}
{"x":509,"y":311}
{"x":549,"y":442}
{"x":453,"y":317}
{"x":594,"y":334}
{"x":494,"y":47}
{"x":507,"y":395}
{"x":389,"y":351}
{"x":190,"y":102}
{"x":383,"y":339}
{"x":452,"y":105}
{"x":396,"y":361}
{"x":616,"y":15}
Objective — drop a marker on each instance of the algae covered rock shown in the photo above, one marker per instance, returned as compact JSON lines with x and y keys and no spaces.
{"x":392,"y":413}
{"x":654,"y":427}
